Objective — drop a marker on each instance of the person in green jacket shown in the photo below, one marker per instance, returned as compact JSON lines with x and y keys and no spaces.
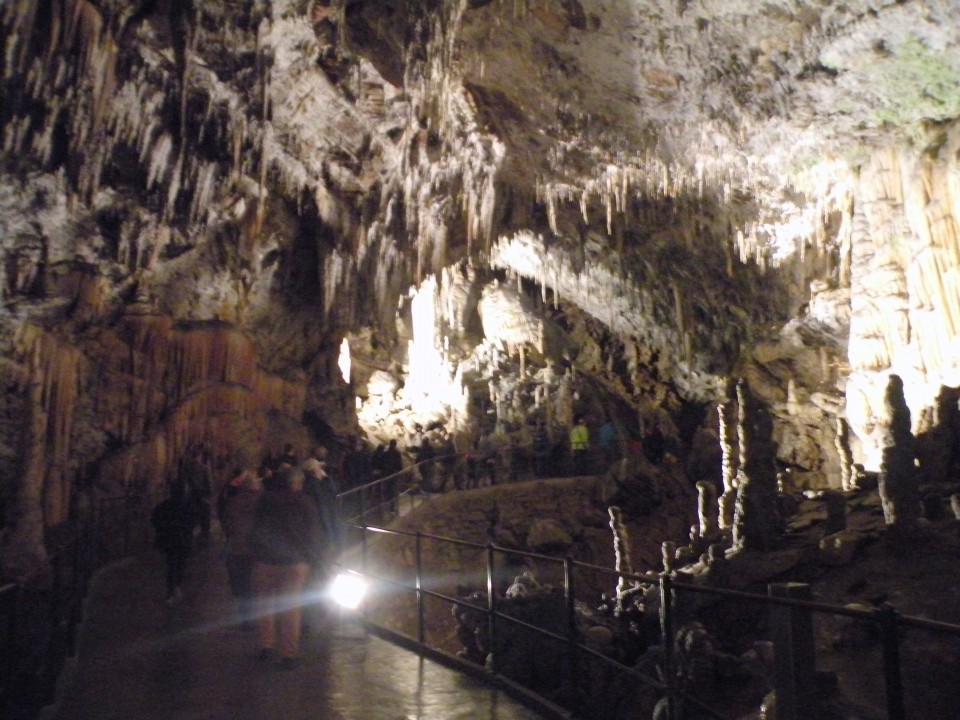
{"x":579,"y":445}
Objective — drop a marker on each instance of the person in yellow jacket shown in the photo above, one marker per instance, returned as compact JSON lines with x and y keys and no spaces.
{"x":579,"y":445}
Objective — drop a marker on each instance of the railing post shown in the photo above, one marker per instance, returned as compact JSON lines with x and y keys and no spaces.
{"x":382,"y":509}
{"x":794,"y":654}
{"x":127,"y":526}
{"x":887,"y":619}
{"x":340,"y":525}
{"x":363,"y":546}
{"x":573,"y":654}
{"x":491,"y":609}
{"x":666,"y":639}
{"x":419,"y":561}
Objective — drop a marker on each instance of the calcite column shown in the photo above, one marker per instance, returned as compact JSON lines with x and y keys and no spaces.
{"x":707,"y":511}
{"x":756,"y":523}
{"x":899,"y":494}
{"x":621,"y":552}
{"x":728,"y":447}
{"x":848,"y":473}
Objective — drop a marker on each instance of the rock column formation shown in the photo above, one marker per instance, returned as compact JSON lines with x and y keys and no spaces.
{"x":707,"y":511}
{"x":728,"y":446}
{"x":756,"y":524}
{"x":621,"y":551}
{"x":848,"y":473}
{"x":899,"y":493}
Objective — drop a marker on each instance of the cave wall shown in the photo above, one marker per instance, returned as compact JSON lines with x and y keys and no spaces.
{"x":200,"y":201}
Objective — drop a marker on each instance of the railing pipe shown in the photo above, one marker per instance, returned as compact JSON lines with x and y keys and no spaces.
{"x":419,"y":561}
{"x":573,"y":655}
{"x":126,"y":529}
{"x":363,"y":547}
{"x":666,"y":639}
{"x":888,"y":621}
{"x":491,"y":610}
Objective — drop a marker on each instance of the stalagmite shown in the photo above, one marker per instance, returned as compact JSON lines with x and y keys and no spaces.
{"x":621,"y":551}
{"x":756,"y":523}
{"x":729,"y":463}
{"x":707,"y":511}
{"x":899,"y":494}
{"x":848,"y":473}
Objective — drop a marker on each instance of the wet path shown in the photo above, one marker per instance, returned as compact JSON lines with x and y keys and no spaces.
{"x":140,"y":659}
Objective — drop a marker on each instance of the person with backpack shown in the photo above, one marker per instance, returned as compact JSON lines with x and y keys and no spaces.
{"x":285,"y":543}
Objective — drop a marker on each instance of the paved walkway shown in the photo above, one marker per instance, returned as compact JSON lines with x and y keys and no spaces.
{"x":140,"y":659}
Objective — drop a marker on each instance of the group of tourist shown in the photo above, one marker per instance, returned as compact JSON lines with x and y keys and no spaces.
{"x":280,"y":524}
{"x":280,"y":534}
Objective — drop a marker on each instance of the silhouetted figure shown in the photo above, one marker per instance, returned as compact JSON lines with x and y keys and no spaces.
{"x":320,"y":487}
{"x":607,"y":441}
{"x":288,"y":456}
{"x":541,"y":451}
{"x":424,"y":457}
{"x":173,"y":522}
{"x":655,"y":444}
{"x":376,"y":461}
{"x":392,"y":461}
{"x":285,"y":543}
{"x":237,"y":522}
{"x":229,"y":490}
{"x":197,"y":480}
{"x":356,"y":465}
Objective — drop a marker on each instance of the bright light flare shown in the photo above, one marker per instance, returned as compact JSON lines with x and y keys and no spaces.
{"x":348,"y":590}
{"x":344,"y":360}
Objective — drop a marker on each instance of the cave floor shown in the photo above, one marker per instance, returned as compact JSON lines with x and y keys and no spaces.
{"x":140,"y":658}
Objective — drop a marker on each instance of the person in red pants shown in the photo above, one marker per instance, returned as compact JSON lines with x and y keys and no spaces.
{"x":285,"y":543}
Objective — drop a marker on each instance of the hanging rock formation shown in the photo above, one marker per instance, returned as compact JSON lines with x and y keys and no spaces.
{"x":206,"y":199}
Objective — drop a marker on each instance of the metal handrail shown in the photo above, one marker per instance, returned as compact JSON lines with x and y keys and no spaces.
{"x":33,"y":655}
{"x":670,"y":586}
{"x":381,"y":483}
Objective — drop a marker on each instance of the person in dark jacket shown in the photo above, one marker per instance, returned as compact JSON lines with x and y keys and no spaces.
{"x":356,"y":465}
{"x":173,"y":520}
{"x":285,"y":543}
{"x":197,"y":480}
{"x":236,"y":519}
{"x":392,"y":459}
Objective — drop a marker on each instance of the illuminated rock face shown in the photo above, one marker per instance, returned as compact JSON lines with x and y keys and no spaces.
{"x":200,"y":201}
